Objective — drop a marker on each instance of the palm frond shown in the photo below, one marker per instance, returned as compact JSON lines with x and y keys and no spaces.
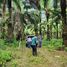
{"x":18,"y":4}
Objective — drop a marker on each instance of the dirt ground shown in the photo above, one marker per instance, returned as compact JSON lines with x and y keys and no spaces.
{"x":23,"y":58}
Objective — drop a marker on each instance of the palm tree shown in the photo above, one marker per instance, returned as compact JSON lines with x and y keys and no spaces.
{"x":63,"y":14}
{"x":55,"y":9}
{"x":3,"y":17}
{"x":11,"y":24}
{"x":47,"y":16}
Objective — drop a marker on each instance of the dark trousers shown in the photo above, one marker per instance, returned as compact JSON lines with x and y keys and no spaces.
{"x":28,"y":44}
{"x":34,"y":50}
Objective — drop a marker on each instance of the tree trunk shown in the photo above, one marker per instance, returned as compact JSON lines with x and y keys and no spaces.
{"x":57,"y":29}
{"x":4,"y":8}
{"x":18,"y":25}
{"x":10,"y":24}
{"x":51,"y":31}
{"x":40,"y":32}
{"x":3,"y":17}
{"x":63,"y":13}
{"x":36,"y":29}
{"x":48,"y":32}
{"x":55,"y":4}
{"x":45,"y":3}
{"x":55,"y":9}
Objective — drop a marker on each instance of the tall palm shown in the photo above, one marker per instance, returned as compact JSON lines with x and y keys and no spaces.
{"x":55,"y":9}
{"x":10,"y":24}
{"x":4,"y":2}
{"x":63,"y":14}
{"x":3,"y":17}
{"x":47,"y":16}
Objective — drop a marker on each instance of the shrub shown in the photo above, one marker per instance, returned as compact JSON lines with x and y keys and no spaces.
{"x":5,"y":56}
{"x":53,"y":44}
{"x":2,"y":44}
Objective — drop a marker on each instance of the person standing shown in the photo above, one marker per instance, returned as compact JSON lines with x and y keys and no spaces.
{"x":34,"y":45}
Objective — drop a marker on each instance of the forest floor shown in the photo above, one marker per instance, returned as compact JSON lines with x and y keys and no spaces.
{"x":23,"y":58}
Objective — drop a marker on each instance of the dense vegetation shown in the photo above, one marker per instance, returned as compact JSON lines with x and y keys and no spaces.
{"x":33,"y":17}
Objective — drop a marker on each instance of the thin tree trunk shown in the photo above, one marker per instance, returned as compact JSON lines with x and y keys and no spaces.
{"x":40,"y":32}
{"x":57,"y":29}
{"x":51,"y":31}
{"x":36,"y":30}
{"x":48,"y":32}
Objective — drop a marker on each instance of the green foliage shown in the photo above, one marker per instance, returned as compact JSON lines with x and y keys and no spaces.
{"x":0,"y":2}
{"x":56,"y":41}
{"x":14,"y":43}
{"x":53,"y":44}
{"x":5,"y":56}
{"x":17,"y":2}
{"x":2,"y":44}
